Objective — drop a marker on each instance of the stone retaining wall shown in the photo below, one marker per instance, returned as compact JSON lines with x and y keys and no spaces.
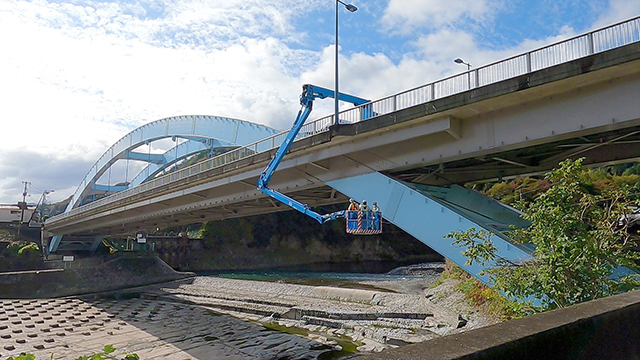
{"x":119,"y":273}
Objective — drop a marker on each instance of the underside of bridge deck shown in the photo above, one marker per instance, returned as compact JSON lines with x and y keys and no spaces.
{"x":606,"y":148}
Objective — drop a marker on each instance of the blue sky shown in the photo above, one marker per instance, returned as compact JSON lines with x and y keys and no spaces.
{"x":78,"y":75}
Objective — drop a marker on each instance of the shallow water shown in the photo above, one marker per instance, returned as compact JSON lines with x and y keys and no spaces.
{"x":362,"y":280}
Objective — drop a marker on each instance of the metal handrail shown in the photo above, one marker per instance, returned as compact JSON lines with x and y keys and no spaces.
{"x":610,"y":37}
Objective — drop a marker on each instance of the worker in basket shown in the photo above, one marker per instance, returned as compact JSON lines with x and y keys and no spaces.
{"x":352,"y":215}
{"x":376,"y":216}
{"x":365,"y":216}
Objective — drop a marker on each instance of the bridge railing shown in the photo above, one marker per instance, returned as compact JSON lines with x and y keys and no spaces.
{"x":607,"y":38}
{"x":613,"y":36}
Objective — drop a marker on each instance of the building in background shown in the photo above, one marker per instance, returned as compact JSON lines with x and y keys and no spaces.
{"x":12,"y":213}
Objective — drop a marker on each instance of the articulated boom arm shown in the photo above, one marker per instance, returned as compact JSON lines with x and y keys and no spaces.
{"x":309,"y":94}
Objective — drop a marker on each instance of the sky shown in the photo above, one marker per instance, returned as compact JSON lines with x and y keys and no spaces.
{"x":76,"y":76}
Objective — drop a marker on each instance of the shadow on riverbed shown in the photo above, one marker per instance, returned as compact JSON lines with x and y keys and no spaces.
{"x":153,"y":322}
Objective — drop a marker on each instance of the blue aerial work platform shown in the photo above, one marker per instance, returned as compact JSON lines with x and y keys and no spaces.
{"x":428,"y":213}
{"x":358,"y":223}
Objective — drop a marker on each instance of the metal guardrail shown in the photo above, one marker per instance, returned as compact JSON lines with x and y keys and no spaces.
{"x":600,"y":40}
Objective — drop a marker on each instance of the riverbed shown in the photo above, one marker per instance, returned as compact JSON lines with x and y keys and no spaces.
{"x":208,"y":317}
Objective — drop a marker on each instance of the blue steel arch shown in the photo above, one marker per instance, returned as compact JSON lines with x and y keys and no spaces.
{"x":201,"y":131}
{"x":174,"y":155}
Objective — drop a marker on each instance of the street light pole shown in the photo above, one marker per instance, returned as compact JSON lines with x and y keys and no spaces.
{"x":351,"y":8}
{"x":460,"y":61}
{"x":23,"y":206}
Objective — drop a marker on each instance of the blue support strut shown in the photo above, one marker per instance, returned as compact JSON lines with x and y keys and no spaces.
{"x":309,"y":94}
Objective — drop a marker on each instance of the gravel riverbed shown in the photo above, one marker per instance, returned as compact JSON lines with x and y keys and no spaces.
{"x":400,"y":312}
{"x":206,"y":317}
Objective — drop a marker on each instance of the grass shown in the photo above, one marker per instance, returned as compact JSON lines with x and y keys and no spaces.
{"x":7,"y":234}
{"x":349,"y":347}
{"x":480,"y":296}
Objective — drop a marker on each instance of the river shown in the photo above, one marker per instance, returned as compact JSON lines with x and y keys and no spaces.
{"x":362,"y":275}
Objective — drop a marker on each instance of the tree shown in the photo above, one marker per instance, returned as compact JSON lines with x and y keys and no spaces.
{"x":581,"y":239}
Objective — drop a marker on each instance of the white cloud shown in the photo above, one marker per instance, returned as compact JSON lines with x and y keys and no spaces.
{"x":77,"y":78}
{"x":376,"y":76}
{"x":619,"y":10}
{"x":443,"y":46}
{"x":411,"y":14}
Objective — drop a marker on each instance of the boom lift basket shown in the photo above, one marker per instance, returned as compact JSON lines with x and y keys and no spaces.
{"x":363,"y":222}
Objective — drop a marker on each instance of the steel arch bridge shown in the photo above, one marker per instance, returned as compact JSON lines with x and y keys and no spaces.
{"x":200,"y":133}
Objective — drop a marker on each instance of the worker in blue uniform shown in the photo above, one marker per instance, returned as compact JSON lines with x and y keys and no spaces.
{"x":376,"y":216}
{"x":365,"y":215}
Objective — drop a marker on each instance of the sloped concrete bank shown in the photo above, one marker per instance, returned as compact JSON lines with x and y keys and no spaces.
{"x":119,"y":273}
{"x":182,"y":319}
{"x":373,"y":319}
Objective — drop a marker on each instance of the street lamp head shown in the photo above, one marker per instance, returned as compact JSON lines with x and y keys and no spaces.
{"x":349,"y":7}
{"x":460,"y":61}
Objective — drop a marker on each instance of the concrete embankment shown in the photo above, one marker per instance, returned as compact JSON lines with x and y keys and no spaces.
{"x":174,"y":320}
{"x":607,"y":328}
{"x":372,"y":319}
{"x":67,"y":328}
{"x":118,"y":273}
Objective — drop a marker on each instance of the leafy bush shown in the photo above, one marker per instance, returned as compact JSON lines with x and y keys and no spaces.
{"x":579,"y":241}
{"x":481,"y":296}
{"x":13,"y":248}
{"x":517,"y":190}
{"x":30,"y":249}
{"x":22,"y":248}
{"x":633,"y":170}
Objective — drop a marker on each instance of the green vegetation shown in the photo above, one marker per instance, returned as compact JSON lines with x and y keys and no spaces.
{"x":578,"y":232}
{"x":22,"y":248}
{"x":482,"y":297}
{"x":349,"y":347}
{"x":23,"y":357}
{"x":20,"y":255}
{"x":107,"y":353}
{"x":524,"y":190}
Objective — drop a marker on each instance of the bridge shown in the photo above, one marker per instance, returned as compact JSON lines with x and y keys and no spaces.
{"x":516,"y":117}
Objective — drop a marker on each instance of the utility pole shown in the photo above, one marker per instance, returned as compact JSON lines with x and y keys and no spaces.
{"x":23,"y":205}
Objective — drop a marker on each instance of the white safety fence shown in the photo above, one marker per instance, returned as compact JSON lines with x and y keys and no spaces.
{"x":613,"y":36}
